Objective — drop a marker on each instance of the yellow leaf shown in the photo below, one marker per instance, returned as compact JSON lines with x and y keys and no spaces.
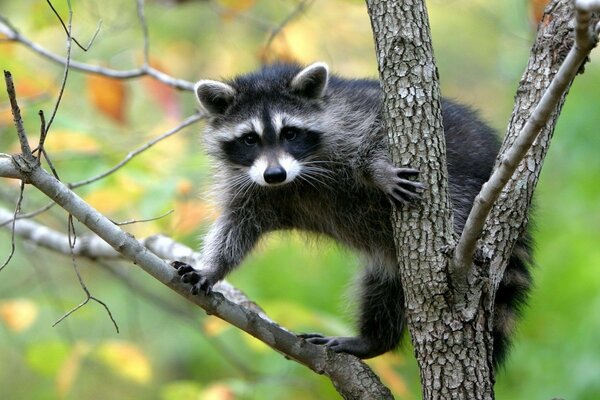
{"x":126,"y":360}
{"x":384,"y":367}
{"x":70,"y":369}
{"x":18,"y":314}
{"x":184,"y":187}
{"x":218,"y":391}
{"x":62,"y":140}
{"x":237,"y":5}
{"x":214,"y":326}
{"x":108,"y":96}
{"x":189,"y":215}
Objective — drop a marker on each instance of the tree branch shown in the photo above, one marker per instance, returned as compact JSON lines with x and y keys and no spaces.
{"x":585,"y":41}
{"x":13,"y":35}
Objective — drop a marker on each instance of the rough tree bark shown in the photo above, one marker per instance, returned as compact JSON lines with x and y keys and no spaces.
{"x":452,"y":351}
{"x":453,"y":343}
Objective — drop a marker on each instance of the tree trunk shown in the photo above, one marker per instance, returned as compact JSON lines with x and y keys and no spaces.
{"x":452,"y":351}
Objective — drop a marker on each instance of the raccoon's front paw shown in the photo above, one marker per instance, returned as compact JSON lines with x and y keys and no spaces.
{"x":195,"y":278}
{"x":400,"y":188}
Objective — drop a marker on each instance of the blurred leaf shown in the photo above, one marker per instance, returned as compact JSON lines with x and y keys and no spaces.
{"x":537,"y":10}
{"x":77,"y":142}
{"x":254,"y":343}
{"x":190,"y":214}
{"x":122,"y":191}
{"x":237,"y":5}
{"x":278,"y":49}
{"x":108,"y":96}
{"x":70,"y":369}
{"x":126,"y":360}
{"x":214,"y":326}
{"x":163,"y":94}
{"x":218,"y":391}
{"x":233,"y":7}
{"x":18,"y":314}
{"x":47,"y":357}
{"x":180,"y":390}
{"x":384,"y":366}
{"x":184,"y":187}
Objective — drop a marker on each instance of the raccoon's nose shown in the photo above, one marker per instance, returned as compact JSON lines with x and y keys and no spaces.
{"x":275,"y":174}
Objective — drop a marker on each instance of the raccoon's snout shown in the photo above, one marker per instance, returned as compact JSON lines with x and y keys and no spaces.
{"x":275,"y":174}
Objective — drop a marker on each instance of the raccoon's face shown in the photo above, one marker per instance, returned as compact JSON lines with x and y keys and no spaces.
{"x":260,"y":123}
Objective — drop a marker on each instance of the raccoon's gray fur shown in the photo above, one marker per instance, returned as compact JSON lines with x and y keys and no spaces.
{"x":302,"y":149}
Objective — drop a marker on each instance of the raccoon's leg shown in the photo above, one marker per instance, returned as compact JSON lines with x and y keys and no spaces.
{"x":395,"y":182}
{"x":510,"y":297}
{"x":381,"y":322}
{"x":225,"y":246}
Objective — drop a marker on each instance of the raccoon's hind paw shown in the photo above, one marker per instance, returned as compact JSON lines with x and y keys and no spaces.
{"x":192,"y":276}
{"x":357,"y":346}
{"x":400,"y":188}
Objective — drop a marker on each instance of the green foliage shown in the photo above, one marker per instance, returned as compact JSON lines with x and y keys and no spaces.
{"x":168,"y":350}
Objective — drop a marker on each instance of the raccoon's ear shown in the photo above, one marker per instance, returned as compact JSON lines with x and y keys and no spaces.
{"x":213,"y":96}
{"x":311,"y":82}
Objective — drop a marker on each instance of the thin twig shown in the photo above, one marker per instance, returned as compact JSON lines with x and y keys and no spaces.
{"x":136,"y":221}
{"x":16,"y":112}
{"x":67,"y":62}
{"x":72,"y":241}
{"x":68,"y":30}
{"x":14,"y":35}
{"x":28,"y":215}
{"x":12,"y":235}
{"x":145,"y":34}
{"x":188,"y":121}
{"x":299,"y":9}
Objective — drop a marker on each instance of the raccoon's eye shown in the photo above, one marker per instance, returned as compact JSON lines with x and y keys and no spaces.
{"x":250,"y":139}
{"x":289,"y":133}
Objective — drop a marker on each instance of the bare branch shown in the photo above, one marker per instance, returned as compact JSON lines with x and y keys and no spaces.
{"x":14,"y":219}
{"x":137,"y":221}
{"x":144,"y":26}
{"x":68,"y":30}
{"x":299,"y":9}
{"x":16,"y":112}
{"x":585,"y":40}
{"x":72,"y":238}
{"x":14,"y":36}
{"x":188,"y":121}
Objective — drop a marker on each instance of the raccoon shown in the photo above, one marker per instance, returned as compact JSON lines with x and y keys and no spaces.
{"x":299,"y":148}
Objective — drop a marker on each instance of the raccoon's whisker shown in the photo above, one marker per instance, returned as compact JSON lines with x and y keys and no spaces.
{"x":305,"y":179}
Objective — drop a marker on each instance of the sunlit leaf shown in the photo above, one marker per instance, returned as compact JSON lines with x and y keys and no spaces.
{"x":218,"y":391}
{"x":180,"y":390}
{"x":278,"y":49}
{"x":537,"y":10}
{"x":233,"y":7}
{"x":18,"y":314}
{"x":214,"y":326}
{"x":116,"y":196}
{"x":163,"y":94}
{"x":109,"y":96}
{"x":70,"y":368}
{"x":126,"y":360}
{"x":384,"y":367}
{"x":190,"y":214}
{"x":237,"y":5}
{"x":184,"y":187}
{"x":79,"y":142}
{"x":47,"y":357}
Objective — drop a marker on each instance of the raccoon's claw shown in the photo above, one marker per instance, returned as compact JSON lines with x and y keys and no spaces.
{"x":403,"y":190}
{"x":192,"y":276}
